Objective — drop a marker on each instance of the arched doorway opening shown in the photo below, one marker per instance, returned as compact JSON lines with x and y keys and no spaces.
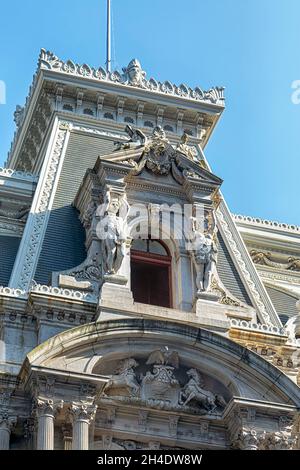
{"x":151,"y":273}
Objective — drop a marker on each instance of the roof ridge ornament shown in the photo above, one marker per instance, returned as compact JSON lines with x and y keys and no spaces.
{"x":133,"y":75}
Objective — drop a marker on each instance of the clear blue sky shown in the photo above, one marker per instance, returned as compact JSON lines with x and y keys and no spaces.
{"x":252,"y":47}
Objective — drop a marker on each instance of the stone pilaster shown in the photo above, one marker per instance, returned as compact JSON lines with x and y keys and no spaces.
{"x":67,"y":434}
{"x":6,"y":424}
{"x":82,"y":416}
{"x":46,"y":411}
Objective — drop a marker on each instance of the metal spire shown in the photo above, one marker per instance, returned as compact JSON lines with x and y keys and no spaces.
{"x":108,"y":43}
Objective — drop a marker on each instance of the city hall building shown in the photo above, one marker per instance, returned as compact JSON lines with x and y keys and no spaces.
{"x":136,"y":311}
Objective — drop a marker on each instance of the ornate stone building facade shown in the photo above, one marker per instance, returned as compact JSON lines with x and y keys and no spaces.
{"x":136,"y":311}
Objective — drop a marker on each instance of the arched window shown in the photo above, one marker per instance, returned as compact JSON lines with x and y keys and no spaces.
{"x":108,"y":116}
{"x":151,"y":273}
{"x":68,"y":107}
{"x":88,"y":111}
{"x":129,"y":120}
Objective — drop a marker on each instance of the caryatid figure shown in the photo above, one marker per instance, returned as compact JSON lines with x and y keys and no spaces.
{"x":204,"y":252}
{"x":112,"y":233}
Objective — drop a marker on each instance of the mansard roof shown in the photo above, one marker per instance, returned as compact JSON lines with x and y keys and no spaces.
{"x":56,"y":79}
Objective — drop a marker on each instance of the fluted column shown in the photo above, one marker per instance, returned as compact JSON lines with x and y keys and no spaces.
{"x":6,"y":424}
{"x":81,"y":415}
{"x":46,"y":411}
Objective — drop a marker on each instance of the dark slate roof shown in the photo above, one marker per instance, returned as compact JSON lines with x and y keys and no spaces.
{"x":284,"y":304}
{"x":229,"y":274}
{"x":8,"y":251}
{"x":63,"y":246}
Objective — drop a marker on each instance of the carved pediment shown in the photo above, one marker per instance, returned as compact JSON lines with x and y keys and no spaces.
{"x":156,"y":155}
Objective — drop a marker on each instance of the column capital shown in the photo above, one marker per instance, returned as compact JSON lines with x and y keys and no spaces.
{"x":7,"y":421}
{"x":82,"y":412}
{"x":247,"y":439}
{"x":47,"y":407}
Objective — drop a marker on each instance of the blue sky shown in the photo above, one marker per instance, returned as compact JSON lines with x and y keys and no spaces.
{"x":249,"y":46}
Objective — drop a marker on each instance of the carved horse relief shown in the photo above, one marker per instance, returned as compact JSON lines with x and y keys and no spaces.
{"x":160,"y":386}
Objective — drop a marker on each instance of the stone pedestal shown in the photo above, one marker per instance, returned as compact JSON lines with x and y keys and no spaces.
{"x":210,"y":313}
{"x":81,"y":415}
{"x":114,"y":291}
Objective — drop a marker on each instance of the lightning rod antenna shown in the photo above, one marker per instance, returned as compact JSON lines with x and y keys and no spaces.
{"x":108,"y":41}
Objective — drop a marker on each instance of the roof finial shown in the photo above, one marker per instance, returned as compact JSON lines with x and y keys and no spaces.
{"x":108,"y":43}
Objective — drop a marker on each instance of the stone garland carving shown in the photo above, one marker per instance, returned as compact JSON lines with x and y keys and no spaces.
{"x":40,"y":215}
{"x":262,"y":258}
{"x":262,"y":309}
{"x":132,"y":75}
{"x":159,"y":388}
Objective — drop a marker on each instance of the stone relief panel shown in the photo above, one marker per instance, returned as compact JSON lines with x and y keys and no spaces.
{"x":160,"y":381}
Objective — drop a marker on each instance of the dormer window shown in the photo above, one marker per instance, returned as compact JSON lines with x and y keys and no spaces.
{"x":151,"y":273}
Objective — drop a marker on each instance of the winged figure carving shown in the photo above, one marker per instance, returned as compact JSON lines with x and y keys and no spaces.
{"x":164,"y":357}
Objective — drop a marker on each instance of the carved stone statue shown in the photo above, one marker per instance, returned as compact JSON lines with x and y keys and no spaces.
{"x":111,"y":232}
{"x":124,"y":378}
{"x":134,"y":75}
{"x":194,"y":391}
{"x":158,"y":155}
{"x":165,"y":357}
{"x":204,"y":252}
{"x":18,"y":115}
{"x":137,"y":139}
{"x":186,"y":149}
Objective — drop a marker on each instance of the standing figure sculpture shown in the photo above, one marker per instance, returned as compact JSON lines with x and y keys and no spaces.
{"x":204,"y":252}
{"x":111,"y":232}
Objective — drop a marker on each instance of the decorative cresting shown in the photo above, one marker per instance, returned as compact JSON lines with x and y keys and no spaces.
{"x":158,"y":384}
{"x":7,"y":422}
{"x":132,"y":75}
{"x":265,"y":259}
{"x":246,"y":219}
